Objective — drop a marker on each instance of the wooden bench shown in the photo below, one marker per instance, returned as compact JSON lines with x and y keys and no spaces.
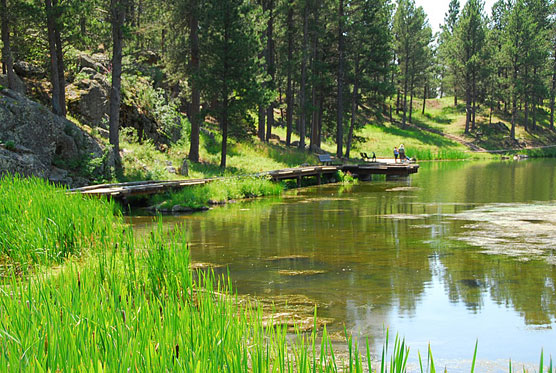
{"x":326,"y":159}
{"x":366,"y":158}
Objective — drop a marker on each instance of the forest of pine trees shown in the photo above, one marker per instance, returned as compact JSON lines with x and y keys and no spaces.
{"x":321,"y":69}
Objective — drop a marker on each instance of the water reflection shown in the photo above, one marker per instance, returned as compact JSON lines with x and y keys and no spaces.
{"x":406,"y":254}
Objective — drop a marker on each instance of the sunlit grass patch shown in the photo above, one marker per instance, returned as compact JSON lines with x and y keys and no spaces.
{"x":220,"y":191}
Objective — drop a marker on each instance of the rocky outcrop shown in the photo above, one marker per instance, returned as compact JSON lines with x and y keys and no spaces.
{"x":97,"y":62}
{"x":28,"y":70}
{"x":37,"y":142}
{"x":19,"y":85}
{"x":88,"y":98}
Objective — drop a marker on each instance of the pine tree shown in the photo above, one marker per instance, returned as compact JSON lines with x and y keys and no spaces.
{"x":446,"y":49}
{"x":230,"y":72}
{"x":7,"y":59}
{"x":368,"y":56}
{"x":469,"y":35}
{"x":117,"y":11}
{"x":412,"y":35}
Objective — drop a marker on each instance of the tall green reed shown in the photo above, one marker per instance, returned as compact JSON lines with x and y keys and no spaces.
{"x":40,"y":224}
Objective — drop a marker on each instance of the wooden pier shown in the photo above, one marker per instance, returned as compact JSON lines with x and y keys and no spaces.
{"x":301,"y":172}
{"x":378,"y":168}
{"x":362,"y":171}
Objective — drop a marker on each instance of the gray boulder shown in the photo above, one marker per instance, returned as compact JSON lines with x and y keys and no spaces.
{"x":28,"y":70}
{"x":184,"y":169}
{"x":26,"y":164}
{"x":88,"y":99}
{"x":41,"y":143}
{"x":19,"y":85}
{"x":95,"y":62}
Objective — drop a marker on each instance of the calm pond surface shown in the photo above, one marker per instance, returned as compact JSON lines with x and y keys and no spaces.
{"x":458,"y":252}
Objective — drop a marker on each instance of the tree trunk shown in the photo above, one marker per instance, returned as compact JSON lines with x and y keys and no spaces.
{"x":83,"y":25}
{"x":474,"y":99}
{"x":398,"y":103}
{"x":281,"y":104}
{"x":467,"y":102}
{"x":271,"y":68}
{"x":411,"y":103}
{"x":59,"y":58}
{"x":526,"y":99}
{"x":474,"y":111}
{"x":224,"y":122}
{"x":553,"y":89}
{"x":117,"y":8}
{"x":424,"y":98}
{"x":289,"y":90}
{"x":314,"y":93}
{"x":54,"y":77}
{"x":354,"y":105}
{"x":262,"y":122}
{"x":490,"y":116}
{"x":340,"y":97}
{"x":514,"y":101}
{"x":6,"y":51}
{"x":194,"y":63}
{"x":404,"y":118}
{"x":533,"y":113}
{"x":534,"y":104}
{"x":319,"y":124}
{"x":302,"y":93}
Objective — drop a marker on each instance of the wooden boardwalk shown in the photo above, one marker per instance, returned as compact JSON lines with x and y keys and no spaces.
{"x":363,"y":171}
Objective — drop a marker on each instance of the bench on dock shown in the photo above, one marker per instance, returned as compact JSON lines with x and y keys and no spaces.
{"x":366,"y":158}
{"x":327,"y":159}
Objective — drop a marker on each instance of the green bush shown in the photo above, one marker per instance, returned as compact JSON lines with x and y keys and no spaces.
{"x":10,"y":145}
{"x":346,"y":178}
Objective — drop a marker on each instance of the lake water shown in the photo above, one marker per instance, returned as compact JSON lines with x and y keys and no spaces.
{"x":458,"y":252}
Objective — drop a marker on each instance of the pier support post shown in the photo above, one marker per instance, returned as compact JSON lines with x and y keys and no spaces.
{"x":318,"y":178}
{"x":299,"y":181}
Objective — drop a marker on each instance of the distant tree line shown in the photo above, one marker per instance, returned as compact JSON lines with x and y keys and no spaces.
{"x":320,"y":69}
{"x":506,"y":61}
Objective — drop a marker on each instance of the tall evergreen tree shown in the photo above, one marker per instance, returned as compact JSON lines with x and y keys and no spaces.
{"x":412,"y":35}
{"x":340,"y":96}
{"x":118,"y":13}
{"x":447,"y":49}
{"x":7,"y":59}
{"x":51,"y":24}
{"x":520,"y":44}
{"x":469,"y":36}
{"x":369,"y":56}
{"x":230,"y":73}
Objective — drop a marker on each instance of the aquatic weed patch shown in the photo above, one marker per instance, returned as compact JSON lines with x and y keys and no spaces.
{"x":523,"y":231}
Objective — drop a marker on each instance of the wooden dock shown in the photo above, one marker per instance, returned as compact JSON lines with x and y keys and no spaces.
{"x":363,"y":171}
{"x":380,"y":168}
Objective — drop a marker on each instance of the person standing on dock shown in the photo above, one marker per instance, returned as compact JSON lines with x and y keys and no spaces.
{"x":396,"y":153}
{"x":402,"y":153}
